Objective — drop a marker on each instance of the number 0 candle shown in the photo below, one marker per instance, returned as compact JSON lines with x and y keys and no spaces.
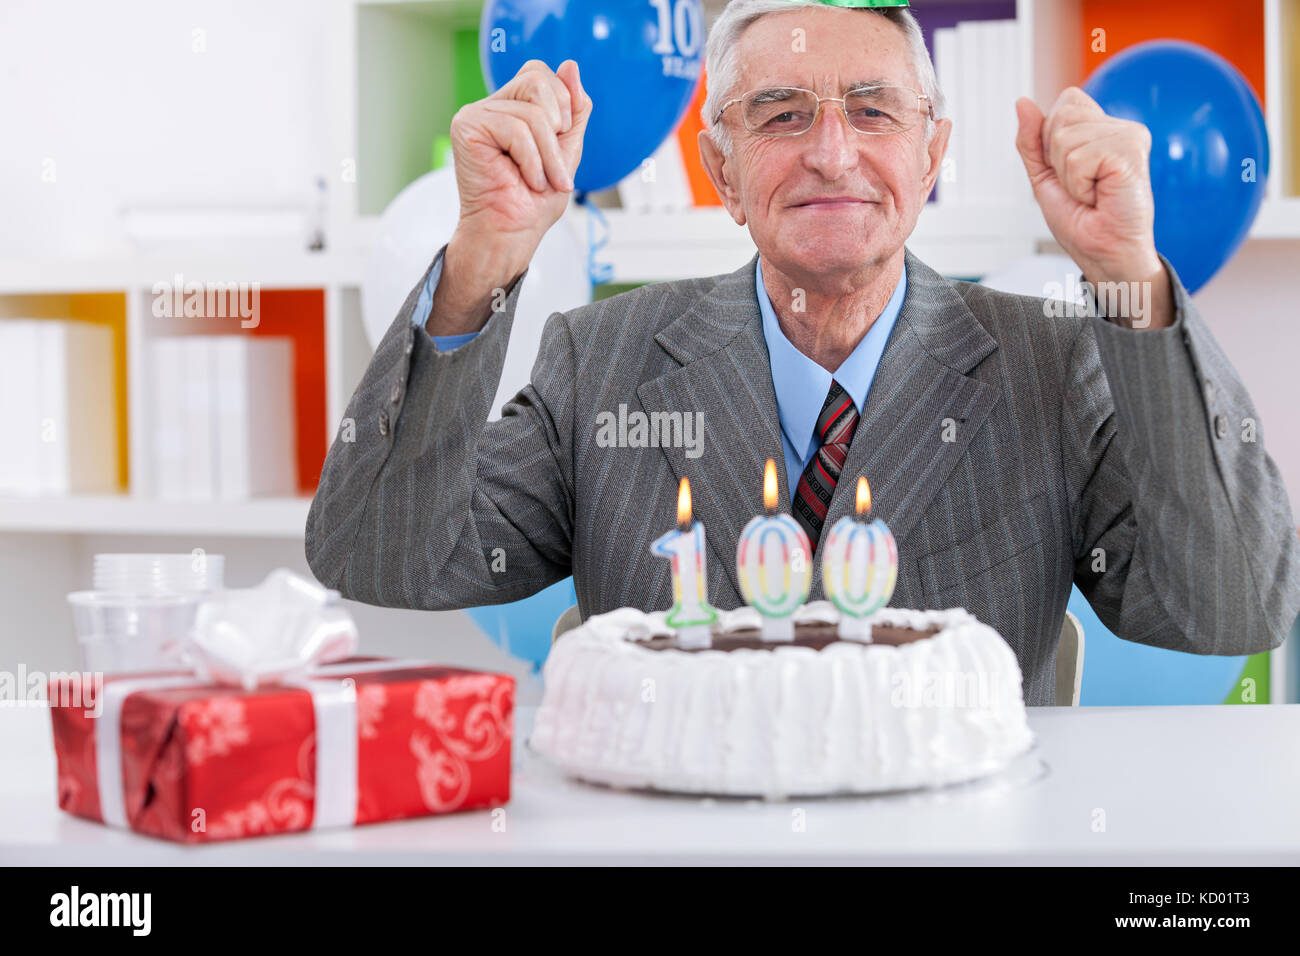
{"x":859,"y":567}
{"x":773,"y":562}
{"x":691,"y":614}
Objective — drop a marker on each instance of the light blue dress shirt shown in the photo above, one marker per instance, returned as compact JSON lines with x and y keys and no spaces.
{"x":424,"y":305}
{"x":801,"y":384}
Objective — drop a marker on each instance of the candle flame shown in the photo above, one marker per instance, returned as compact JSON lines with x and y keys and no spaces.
{"x":864,"y":496}
{"x":769,"y":486}
{"x":684,"y":504}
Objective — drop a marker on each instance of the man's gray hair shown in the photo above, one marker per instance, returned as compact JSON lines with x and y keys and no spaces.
{"x":722,"y":67}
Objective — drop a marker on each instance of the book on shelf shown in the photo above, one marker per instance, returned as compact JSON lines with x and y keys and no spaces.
{"x":659,"y":184}
{"x":167,"y":418}
{"x":224,"y":425}
{"x":254,"y":435}
{"x":58,"y":391}
{"x":948,"y":67}
{"x":981,"y":72}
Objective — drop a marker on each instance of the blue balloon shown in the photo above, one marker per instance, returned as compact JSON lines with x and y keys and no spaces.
{"x":523,"y":628}
{"x":1209,"y":147}
{"x":640,"y":63}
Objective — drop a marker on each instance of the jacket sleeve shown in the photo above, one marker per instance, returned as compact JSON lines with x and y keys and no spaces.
{"x":422,"y":502}
{"x":1182,"y":529}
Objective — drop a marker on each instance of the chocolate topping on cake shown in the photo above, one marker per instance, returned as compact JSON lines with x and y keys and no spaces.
{"x":815,"y":636}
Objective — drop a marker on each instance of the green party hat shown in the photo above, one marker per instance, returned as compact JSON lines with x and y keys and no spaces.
{"x":863,"y":3}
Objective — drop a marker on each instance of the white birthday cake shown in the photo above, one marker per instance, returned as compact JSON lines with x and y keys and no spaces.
{"x":926,"y":698}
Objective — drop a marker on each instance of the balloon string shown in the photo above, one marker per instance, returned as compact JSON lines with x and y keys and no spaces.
{"x":599,"y":272}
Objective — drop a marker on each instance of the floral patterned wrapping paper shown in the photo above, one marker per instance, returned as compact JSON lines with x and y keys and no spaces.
{"x":209,"y":762}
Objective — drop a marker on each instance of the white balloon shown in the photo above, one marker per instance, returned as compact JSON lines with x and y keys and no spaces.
{"x":416,"y":224}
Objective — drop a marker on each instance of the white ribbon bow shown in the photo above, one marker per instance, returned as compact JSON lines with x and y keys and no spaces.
{"x":276,"y":633}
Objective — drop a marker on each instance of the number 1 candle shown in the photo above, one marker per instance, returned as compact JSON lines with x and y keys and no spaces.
{"x":691,"y":614}
{"x":859,"y":567}
{"x":773,"y":562}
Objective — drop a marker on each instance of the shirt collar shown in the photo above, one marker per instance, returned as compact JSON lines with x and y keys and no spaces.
{"x":801,"y":384}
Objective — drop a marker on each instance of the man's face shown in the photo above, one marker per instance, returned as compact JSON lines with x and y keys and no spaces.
{"x":879,"y":183}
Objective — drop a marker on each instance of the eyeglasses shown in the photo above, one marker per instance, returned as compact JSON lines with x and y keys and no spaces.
{"x":789,"y":111}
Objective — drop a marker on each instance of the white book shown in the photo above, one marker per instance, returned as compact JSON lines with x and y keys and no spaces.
{"x":52,"y":408}
{"x":9,"y":385}
{"x":1018,"y":80}
{"x":77,"y":453}
{"x":659,"y":183}
{"x":167,"y":420}
{"x":197,"y":410}
{"x":1000,"y":147}
{"x":634,"y":189}
{"x":20,"y":432}
{"x":972,"y":60}
{"x":254,"y":418}
{"x":671,"y":189}
{"x":1007,"y":165}
{"x":946,"y":64}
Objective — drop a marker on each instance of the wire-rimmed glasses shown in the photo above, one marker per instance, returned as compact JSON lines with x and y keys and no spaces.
{"x":790,"y":110}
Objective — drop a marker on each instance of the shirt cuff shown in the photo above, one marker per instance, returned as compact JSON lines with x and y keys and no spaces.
{"x":424,"y":305}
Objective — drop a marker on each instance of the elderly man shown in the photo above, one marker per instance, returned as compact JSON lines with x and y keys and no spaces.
{"x":1011,"y":452}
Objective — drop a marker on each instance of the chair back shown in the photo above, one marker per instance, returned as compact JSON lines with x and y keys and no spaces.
{"x":565,"y":622}
{"x":1069,"y":662}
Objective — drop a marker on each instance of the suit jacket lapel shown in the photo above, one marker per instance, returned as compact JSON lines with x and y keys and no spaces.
{"x":726,"y":375}
{"x":922,"y":410}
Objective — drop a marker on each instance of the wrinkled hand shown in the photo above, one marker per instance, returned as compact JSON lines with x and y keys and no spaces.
{"x":516,"y":151}
{"x":515,"y":154}
{"x":1090,"y":175}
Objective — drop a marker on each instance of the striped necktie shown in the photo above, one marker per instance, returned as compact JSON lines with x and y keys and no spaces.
{"x":812,"y":496}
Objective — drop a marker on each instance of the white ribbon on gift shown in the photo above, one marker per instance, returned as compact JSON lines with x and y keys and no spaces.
{"x":334,"y":703}
{"x":285,"y":632}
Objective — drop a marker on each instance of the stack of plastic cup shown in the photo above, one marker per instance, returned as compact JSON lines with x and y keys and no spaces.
{"x":132,"y":632}
{"x":159,"y":573}
{"x":142,"y":609}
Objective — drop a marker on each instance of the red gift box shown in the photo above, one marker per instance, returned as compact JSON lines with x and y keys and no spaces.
{"x":202,"y":762}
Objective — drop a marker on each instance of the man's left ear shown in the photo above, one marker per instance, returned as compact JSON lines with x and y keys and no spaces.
{"x":935,"y":150}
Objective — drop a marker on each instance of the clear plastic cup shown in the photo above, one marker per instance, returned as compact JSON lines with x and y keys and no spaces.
{"x":132,"y":632}
{"x":159,"y":573}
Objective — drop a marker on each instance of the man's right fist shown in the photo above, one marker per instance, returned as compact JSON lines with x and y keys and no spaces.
{"x":515,"y":154}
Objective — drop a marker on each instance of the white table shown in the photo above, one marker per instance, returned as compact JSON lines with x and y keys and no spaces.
{"x":1177,"y":785}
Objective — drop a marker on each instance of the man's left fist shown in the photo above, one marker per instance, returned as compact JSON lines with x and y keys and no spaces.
{"x":1091,"y":178}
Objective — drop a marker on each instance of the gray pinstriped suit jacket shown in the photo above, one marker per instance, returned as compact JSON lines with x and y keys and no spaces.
{"x":1066,"y":435}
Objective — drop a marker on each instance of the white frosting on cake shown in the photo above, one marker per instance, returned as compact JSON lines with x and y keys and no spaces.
{"x":850,"y":718}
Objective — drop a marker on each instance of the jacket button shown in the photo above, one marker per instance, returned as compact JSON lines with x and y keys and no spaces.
{"x":1221,"y":426}
{"x":383,"y":423}
{"x":1209,"y":390}
{"x":395,"y":394}
{"x":410,"y":343}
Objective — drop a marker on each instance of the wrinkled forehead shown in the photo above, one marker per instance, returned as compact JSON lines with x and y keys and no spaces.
{"x":827,"y":49}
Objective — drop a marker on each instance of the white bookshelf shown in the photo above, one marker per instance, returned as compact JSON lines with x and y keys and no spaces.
{"x":275,"y":269}
{"x":127,"y":515}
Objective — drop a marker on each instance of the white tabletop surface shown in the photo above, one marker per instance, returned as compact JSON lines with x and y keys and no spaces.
{"x":1128,"y":785}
